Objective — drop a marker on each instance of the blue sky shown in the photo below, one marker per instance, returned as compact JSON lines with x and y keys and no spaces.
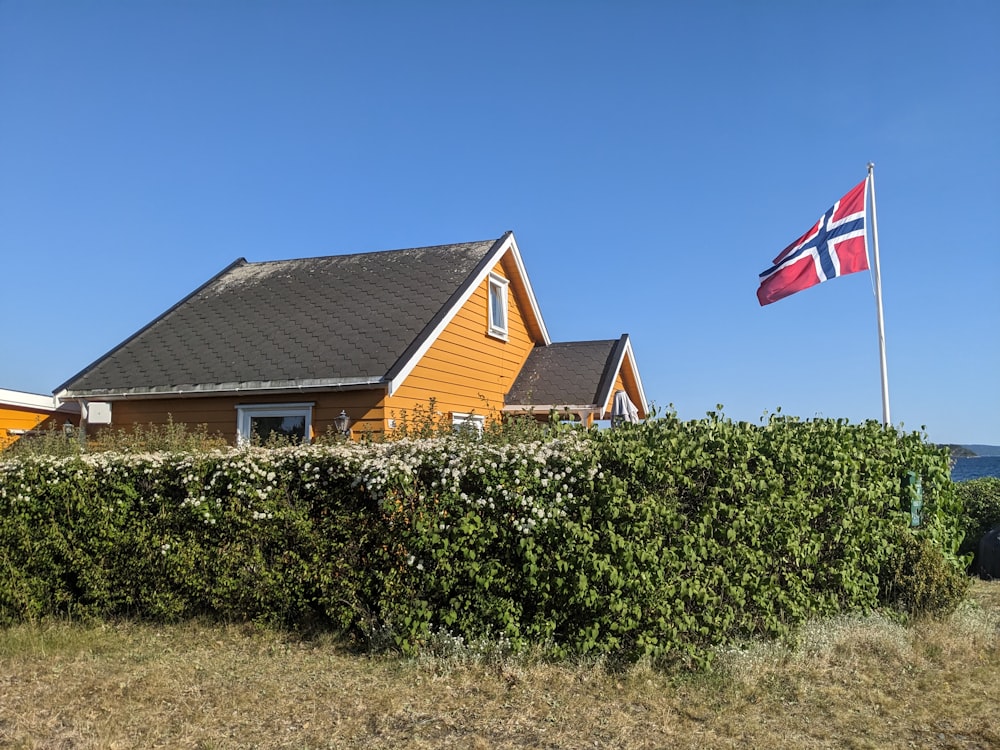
{"x":650,"y":157}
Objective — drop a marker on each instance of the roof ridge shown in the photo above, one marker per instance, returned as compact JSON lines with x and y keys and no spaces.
{"x":588,"y":341}
{"x":490,"y":242}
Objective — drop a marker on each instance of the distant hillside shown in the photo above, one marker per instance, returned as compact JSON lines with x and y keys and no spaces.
{"x":984,"y":450}
{"x":960,"y":451}
{"x":971,"y":451}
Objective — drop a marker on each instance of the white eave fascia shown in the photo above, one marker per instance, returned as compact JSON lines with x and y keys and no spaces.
{"x":508,"y":245}
{"x":222,"y":389}
{"x":511,"y":244}
{"x":635,"y":374}
{"x":627,"y":352}
{"x":24,"y":400}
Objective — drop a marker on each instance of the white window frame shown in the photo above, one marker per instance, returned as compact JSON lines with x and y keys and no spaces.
{"x":245,"y":414}
{"x":461,"y":422}
{"x":500,"y":284}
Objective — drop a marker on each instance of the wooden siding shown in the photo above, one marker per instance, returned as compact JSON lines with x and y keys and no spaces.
{"x":465,"y":370}
{"x":219,"y":414}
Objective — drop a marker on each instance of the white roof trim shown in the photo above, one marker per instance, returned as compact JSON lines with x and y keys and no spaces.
{"x":635,"y":374}
{"x":29,"y":400}
{"x":627,"y":352}
{"x":508,"y":245}
{"x":532,"y":301}
{"x":209,"y":389}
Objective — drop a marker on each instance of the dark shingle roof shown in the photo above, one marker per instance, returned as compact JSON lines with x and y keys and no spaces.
{"x":316,"y":321}
{"x":571,"y":373}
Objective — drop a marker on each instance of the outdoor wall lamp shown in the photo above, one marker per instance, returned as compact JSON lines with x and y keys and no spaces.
{"x":343,"y":423}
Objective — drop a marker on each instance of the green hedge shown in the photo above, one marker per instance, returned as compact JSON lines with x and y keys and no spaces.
{"x":981,"y":500}
{"x":252,"y":535}
{"x":659,"y":539}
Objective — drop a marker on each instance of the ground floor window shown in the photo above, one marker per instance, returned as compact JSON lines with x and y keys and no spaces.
{"x":463,"y":422}
{"x":258,"y":422}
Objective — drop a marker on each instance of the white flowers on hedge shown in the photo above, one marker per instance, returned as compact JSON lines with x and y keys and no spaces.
{"x":527,"y":485}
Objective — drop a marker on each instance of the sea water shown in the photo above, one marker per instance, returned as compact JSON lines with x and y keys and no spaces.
{"x":973,"y":468}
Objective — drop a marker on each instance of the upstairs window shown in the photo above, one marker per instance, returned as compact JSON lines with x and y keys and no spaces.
{"x":498,"y":307}
{"x":258,"y":422}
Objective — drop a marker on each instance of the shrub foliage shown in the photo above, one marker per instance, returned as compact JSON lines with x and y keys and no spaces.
{"x":981,"y":498}
{"x":657,"y":539}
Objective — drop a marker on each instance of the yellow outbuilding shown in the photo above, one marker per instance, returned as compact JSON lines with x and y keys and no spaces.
{"x":24,"y":413}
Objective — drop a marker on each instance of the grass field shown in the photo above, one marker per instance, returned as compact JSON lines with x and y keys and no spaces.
{"x":847,"y":683}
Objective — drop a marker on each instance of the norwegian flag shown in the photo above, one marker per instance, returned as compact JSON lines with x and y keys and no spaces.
{"x":836,"y":245}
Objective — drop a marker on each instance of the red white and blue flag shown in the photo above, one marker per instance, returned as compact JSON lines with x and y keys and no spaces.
{"x":836,"y":245}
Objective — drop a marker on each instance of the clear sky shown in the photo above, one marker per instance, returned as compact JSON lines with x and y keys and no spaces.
{"x":650,"y":157}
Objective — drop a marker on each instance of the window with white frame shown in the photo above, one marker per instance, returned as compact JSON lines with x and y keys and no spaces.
{"x":498,"y":307}
{"x":471,"y":423}
{"x":258,"y":422}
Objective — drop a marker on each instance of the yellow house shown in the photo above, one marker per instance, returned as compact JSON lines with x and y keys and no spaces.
{"x":289,"y":346}
{"x":23,"y":413}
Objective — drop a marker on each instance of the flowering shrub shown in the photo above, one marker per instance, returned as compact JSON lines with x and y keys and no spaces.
{"x":656,"y":539}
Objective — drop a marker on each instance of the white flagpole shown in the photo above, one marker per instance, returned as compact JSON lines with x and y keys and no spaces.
{"x":886,"y":420}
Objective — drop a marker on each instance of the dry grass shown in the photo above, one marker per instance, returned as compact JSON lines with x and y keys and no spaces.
{"x":849,"y":683}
